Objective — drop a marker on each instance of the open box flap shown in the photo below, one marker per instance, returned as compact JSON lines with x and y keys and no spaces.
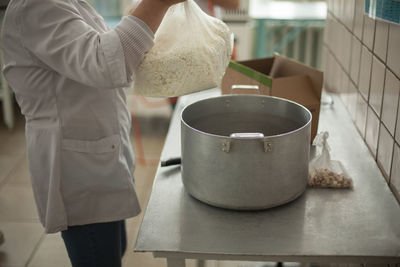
{"x":262,"y":65}
{"x":284,"y":67}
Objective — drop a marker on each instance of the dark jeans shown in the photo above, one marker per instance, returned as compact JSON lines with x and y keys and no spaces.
{"x":96,"y":245}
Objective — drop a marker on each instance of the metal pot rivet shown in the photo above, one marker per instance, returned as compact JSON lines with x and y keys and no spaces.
{"x":267,"y":146}
{"x":226,"y":146}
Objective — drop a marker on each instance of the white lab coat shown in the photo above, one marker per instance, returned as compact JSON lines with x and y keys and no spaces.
{"x":67,"y":69}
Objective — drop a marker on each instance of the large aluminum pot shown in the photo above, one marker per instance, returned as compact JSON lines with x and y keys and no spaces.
{"x":245,"y":152}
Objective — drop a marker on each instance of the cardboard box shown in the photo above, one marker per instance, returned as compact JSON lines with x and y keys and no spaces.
{"x":281,"y":77}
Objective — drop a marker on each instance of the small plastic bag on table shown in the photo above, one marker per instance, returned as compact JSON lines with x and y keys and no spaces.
{"x":325,"y":172}
{"x":191,"y":53}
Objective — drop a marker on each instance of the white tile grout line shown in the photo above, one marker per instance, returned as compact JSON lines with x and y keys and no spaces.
{"x":35,"y":249}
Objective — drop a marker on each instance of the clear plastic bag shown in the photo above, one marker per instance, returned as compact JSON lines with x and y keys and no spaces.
{"x":191,"y":53}
{"x":324,"y":172}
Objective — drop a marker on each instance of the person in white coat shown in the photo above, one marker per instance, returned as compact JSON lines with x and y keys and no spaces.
{"x":67,"y":69}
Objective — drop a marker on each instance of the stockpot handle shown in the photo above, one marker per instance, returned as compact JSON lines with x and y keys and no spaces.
{"x":226,"y":144}
{"x":246,"y":135}
{"x":245,"y":87}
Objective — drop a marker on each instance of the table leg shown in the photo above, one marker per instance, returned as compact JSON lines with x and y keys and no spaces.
{"x":175,"y":262}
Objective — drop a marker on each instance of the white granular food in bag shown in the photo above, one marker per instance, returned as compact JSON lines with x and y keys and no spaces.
{"x":325,"y":172}
{"x":190,"y":54}
{"x":324,"y":177}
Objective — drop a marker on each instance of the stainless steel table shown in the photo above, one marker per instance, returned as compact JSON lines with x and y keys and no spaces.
{"x":323,"y":225}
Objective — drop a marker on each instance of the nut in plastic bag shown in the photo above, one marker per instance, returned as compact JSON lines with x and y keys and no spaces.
{"x":191,"y":53}
{"x":324,"y":172}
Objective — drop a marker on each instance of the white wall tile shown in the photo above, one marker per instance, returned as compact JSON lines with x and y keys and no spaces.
{"x":345,"y":83}
{"x":365,"y":71}
{"x":395,"y":177}
{"x":330,"y":5}
{"x":361,"y":114}
{"x":381,"y":39}
{"x":336,"y":8}
{"x":352,"y":100}
{"x":325,"y":67}
{"x":331,"y":76}
{"x":348,"y":13}
{"x":369,"y":32}
{"x":397,"y":135}
{"x":377,"y":82}
{"x":322,"y":64}
{"x":358,"y":18}
{"x":328,"y":29}
{"x":393,"y":57}
{"x":337,"y":78}
{"x":336,"y":43}
{"x":332,"y":35}
{"x":346,"y":49}
{"x":341,"y":10}
{"x":344,"y":87}
{"x":385,"y":150}
{"x":355,"y":59}
{"x":335,"y":75}
{"x":390,"y":101}
{"x":339,"y":42}
{"x":372,"y":131}
{"x":364,"y":67}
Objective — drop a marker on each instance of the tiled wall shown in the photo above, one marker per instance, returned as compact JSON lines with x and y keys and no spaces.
{"x":362,"y":63}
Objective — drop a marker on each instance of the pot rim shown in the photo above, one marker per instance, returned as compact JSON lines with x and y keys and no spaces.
{"x":244,"y":95}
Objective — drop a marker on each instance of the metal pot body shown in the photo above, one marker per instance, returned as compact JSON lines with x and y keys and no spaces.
{"x":245,"y":152}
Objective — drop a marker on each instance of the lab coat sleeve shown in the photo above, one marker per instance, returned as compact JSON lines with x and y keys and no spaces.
{"x":56,"y":35}
{"x":133,"y":41}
